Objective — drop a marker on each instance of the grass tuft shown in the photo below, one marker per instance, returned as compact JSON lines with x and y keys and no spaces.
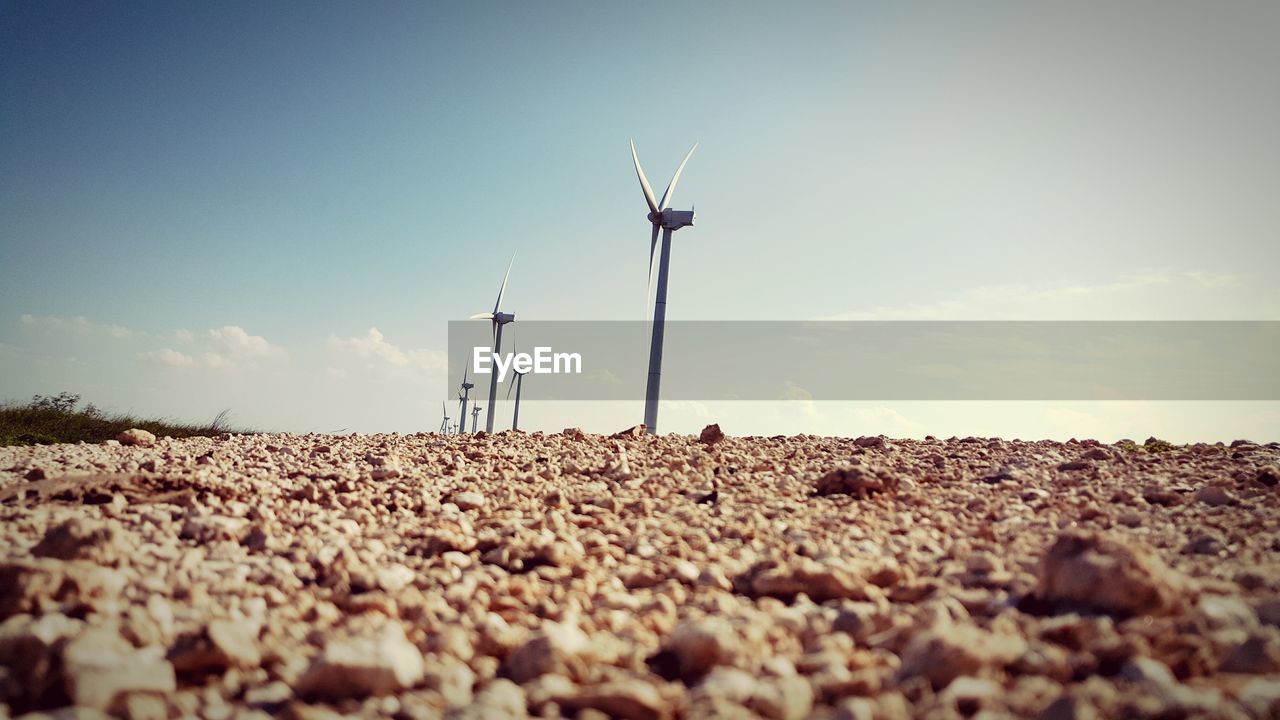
{"x":60,"y":419}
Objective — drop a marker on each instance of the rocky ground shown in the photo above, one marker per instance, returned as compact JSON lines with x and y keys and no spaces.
{"x":590,"y":576}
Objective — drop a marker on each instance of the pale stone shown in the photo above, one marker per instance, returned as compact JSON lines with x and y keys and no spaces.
{"x":100,"y":668}
{"x":358,"y":666}
{"x":468,"y":500}
{"x":137,"y":437}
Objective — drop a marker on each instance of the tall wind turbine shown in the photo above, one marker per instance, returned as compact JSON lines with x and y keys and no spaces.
{"x":464,"y":394}
{"x":660,"y":216}
{"x":444,"y":424}
{"x":498,"y":319}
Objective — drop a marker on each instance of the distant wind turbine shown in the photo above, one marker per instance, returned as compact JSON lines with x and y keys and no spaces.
{"x":475,"y":417}
{"x":498,"y":319}
{"x":515,"y":415}
{"x":660,"y":216}
{"x":516,"y":383}
{"x":444,"y":424}
{"x":464,"y":394}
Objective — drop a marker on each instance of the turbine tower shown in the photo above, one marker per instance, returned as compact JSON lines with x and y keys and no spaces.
{"x":444,"y":424}
{"x":475,"y":417}
{"x":498,"y":319}
{"x":517,"y":383}
{"x":660,"y":216}
{"x":463,"y":395}
{"x":515,"y":415}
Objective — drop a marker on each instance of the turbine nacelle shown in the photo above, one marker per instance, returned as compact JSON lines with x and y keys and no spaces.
{"x":672,"y":219}
{"x":498,"y":318}
{"x":676,"y":219}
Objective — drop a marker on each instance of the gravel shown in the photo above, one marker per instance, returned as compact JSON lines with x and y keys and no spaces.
{"x":580,"y":575}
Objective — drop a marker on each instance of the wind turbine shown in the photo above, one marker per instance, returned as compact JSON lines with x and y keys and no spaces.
{"x":660,"y":216}
{"x":516,"y":383}
{"x":475,"y":417}
{"x":498,"y":319}
{"x":444,"y":424}
{"x":515,"y":415}
{"x":463,"y":395}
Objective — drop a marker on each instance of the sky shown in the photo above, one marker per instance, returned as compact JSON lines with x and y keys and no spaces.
{"x":277,"y":207}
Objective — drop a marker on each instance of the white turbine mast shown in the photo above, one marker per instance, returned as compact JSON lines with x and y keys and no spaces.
{"x":498,"y":318}
{"x":464,"y":393}
{"x":517,"y":383}
{"x":660,"y":216}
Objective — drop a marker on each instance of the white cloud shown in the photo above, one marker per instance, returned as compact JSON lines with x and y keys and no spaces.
{"x":78,"y":325}
{"x":374,"y":349}
{"x":167,"y":356}
{"x":225,"y":347}
{"x":794,"y":393}
{"x":233,"y":346}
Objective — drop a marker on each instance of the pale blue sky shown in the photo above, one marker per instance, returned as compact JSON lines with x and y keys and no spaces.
{"x":309,"y":171}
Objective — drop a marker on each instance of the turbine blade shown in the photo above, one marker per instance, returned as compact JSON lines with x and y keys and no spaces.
{"x":644,"y":181}
{"x":671,"y":189}
{"x":481,"y":316}
{"x":503,"y":289}
{"x":509,"y":386}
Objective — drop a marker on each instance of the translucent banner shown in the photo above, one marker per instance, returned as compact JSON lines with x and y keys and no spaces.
{"x":907,"y":360}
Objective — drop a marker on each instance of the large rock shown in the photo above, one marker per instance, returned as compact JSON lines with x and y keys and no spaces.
{"x":99,"y":668}
{"x":450,"y":677}
{"x":136,"y":436}
{"x":41,"y":585}
{"x":1214,"y":496}
{"x":501,"y":698}
{"x":214,"y":528}
{"x":468,"y":500}
{"x":1091,"y":571}
{"x":394,"y":577}
{"x":856,"y":481}
{"x":699,"y":645}
{"x":378,"y":664}
{"x":80,"y":539}
{"x":784,"y":698}
{"x":711,"y":435}
{"x":30,"y":650}
{"x":631,"y":699}
{"x":948,"y":651}
{"x":821,"y":581}
{"x":220,"y":645}
{"x":556,"y":647}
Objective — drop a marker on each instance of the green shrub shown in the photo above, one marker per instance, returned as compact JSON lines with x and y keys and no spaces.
{"x":56,"y":419}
